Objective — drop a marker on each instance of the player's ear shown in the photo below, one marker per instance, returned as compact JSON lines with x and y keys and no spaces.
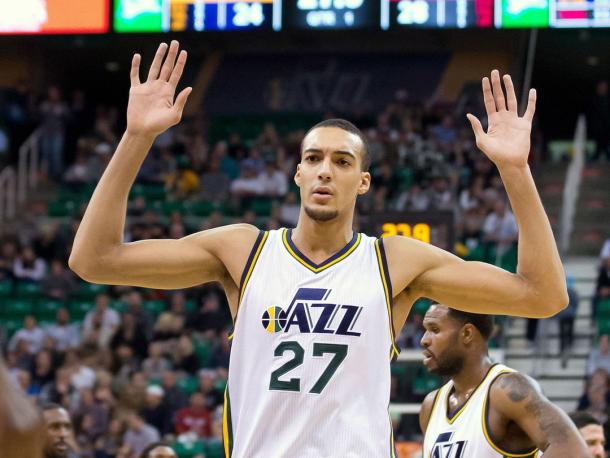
{"x":365,"y":183}
{"x":297,"y":176}
{"x":467,"y":333}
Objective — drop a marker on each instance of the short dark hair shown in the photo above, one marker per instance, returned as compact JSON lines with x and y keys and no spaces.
{"x":146,"y":452}
{"x":50,"y":406}
{"x":484,"y":323}
{"x":582,"y":419}
{"x":352,"y":129}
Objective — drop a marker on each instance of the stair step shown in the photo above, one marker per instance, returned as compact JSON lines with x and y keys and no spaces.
{"x":551,"y":365}
{"x":566,"y":389}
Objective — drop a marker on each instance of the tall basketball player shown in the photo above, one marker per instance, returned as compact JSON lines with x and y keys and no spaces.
{"x":314,"y":324}
{"x":486,"y":410}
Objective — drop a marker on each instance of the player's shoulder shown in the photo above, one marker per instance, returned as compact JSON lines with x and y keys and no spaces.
{"x":510,"y":392}
{"x":426,"y":409}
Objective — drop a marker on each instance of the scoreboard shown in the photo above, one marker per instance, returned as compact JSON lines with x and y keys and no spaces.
{"x":437,"y":13}
{"x":580,"y":13}
{"x":331,"y":14}
{"x":196,"y":15}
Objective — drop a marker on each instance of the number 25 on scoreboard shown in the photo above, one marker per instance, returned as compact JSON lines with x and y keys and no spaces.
{"x":419,"y":231}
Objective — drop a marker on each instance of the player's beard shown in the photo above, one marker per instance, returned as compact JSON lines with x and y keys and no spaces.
{"x":450,"y":362}
{"x":321,"y":215}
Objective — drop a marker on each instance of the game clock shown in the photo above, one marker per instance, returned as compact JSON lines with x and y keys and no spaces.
{"x":331,"y":14}
{"x":435,"y":227}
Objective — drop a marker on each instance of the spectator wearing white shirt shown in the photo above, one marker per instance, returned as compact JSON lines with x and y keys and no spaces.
{"x":101,"y":323}
{"x":65,"y":335}
{"x":605,"y":253}
{"x":81,"y":376}
{"x":500,"y":227}
{"x":28,"y":267}
{"x":31,"y":334}
{"x":248,"y":183}
{"x":274,"y":182}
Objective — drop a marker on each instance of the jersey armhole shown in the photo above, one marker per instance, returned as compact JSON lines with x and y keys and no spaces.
{"x":387,"y":288}
{"x":527,"y":453}
{"x":247,"y":272}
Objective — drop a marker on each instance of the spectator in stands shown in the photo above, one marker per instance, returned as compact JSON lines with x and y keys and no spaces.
{"x":289,"y":210}
{"x":31,"y":334}
{"x":101,"y":323}
{"x":160,"y":450}
{"x":209,"y":319}
{"x":175,"y":398}
{"x":221,"y":353}
{"x":28,"y":267}
{"x":605,"y":251}
{"x":500,"y":228}
{"x":247,"y":184}
{"x":138,"y":436}
{"x":133,"y":395}
{"x":592,"y":432}
{"x":43,"y":371}
{"x":130,"y":333}
{"x":602,"y":287}
{"x":92,"y":415}
{"x":81,"y":375}
{"x":184,"y":356}
{"x":194,"y":418}
{"x":8,"y":255}
{"x":183,"y":182}
{"x":99,"y":160}
{"x":59,"y":391}
{"x":598,"y":120}
{"x":59,"y":283}
{"x":274,"y":182}
{"x":65,"y":335}
{"x":108,"y":445}
{"x":599,"y":358}
{"x":596,"y":398}
{"x":135,"y":306}
{"x":54,"y":114}
{"x":156,"y":364}
{"x":441,"y":197}
{"x":214,"y":183}
{"x":155,"y":411}
{"x":77,"y":175}
{"x":207,"y":381}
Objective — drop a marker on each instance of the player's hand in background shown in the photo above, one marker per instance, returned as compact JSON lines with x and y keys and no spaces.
{"x":507,"y":140}
{"x":152,"y":108}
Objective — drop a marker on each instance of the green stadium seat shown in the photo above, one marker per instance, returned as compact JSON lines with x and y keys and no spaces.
{"x":6,"y":288}
{"x":79,"y":308}
{"x":119,"y":306}
{"x":150,"y":192}
{"x":262,"y":206}
{"x":421,"y":306}
{"x":214,"y":449}
{"x":90,"y":290}
{"x":46,"y":309}
{"x":16,"y":308}
{"x":154,"y":307}
{"x":190,"y":305}
{"x":405,"y":178}
{"x":27,"y":289}
{"x":189,"y":449}
{"x":188,"y":384}
{"x":203,"y":350}
{"x":63,"y":208}
{"x":10,"y":326}
{"x":198,"y":208}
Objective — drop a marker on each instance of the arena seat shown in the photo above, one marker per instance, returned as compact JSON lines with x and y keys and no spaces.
{"x":79,"y":308}
{"x":154,"y":307}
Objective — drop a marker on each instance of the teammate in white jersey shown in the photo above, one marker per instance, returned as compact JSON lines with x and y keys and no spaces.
{"x":306,"y":372}
{"x":486,"y":410}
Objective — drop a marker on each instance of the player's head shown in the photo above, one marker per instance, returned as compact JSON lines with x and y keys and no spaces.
{"x":451,"y":336}
{"x":158,"y":450}
{"x":592,"y":432}
{"x":58,"y":431}
{"x":333,"y":170}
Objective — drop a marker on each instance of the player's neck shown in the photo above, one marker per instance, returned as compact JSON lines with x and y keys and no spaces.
{"x":471,"y":375}
{"x":319,"y":240}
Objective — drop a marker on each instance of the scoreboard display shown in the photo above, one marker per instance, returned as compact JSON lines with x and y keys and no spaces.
{"x":196,"y":15}
{"x":331,"y":14}
{"x":580,"y":13}
{"x":437,"y":13}
{"x":435,"y":227}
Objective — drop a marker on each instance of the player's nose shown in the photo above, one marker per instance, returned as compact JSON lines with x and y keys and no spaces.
{"x":325,"y":169}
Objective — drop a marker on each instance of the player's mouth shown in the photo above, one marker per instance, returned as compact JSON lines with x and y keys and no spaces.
{"x":428,"y":357}
{"x":322,"y":194}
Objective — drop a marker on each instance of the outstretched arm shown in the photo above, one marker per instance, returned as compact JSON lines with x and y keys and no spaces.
{"x":517,"y":399}
{"x":98,"y":253}
{"x":538,"y":289}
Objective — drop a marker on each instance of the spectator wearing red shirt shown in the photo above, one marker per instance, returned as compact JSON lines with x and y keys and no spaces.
{"x":195,"y":418}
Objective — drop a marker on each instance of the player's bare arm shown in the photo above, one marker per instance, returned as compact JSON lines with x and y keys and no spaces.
{"x":515,"y":400}
{"x":99,"y":254}
{"x":538,"y":289}
{"x":426,"y":410}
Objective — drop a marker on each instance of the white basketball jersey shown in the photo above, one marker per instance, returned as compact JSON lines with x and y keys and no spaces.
{"x":309,"y":375}
{"x":465,"y":434}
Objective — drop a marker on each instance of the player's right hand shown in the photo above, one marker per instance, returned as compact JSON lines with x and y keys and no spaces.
{"x":152,"y":108}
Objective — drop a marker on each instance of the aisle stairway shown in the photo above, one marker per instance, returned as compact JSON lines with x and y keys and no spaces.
{"x":543,"y":360}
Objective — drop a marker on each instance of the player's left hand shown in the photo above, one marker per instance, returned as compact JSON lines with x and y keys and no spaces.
{"x":507,"y":141}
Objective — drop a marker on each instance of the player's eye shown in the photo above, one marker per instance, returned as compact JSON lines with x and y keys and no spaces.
{"x":311,"y":158}
{"x":343,"y":162}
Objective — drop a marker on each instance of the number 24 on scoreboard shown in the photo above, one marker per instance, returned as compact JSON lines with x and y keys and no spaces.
{"x":420,"y":231}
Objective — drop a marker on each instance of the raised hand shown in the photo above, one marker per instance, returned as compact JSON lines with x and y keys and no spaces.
{"x":152,"y":108}
{"x":507,"y":141}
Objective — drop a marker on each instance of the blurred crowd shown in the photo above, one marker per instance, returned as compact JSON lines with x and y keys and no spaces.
{"x":146,"y":364}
